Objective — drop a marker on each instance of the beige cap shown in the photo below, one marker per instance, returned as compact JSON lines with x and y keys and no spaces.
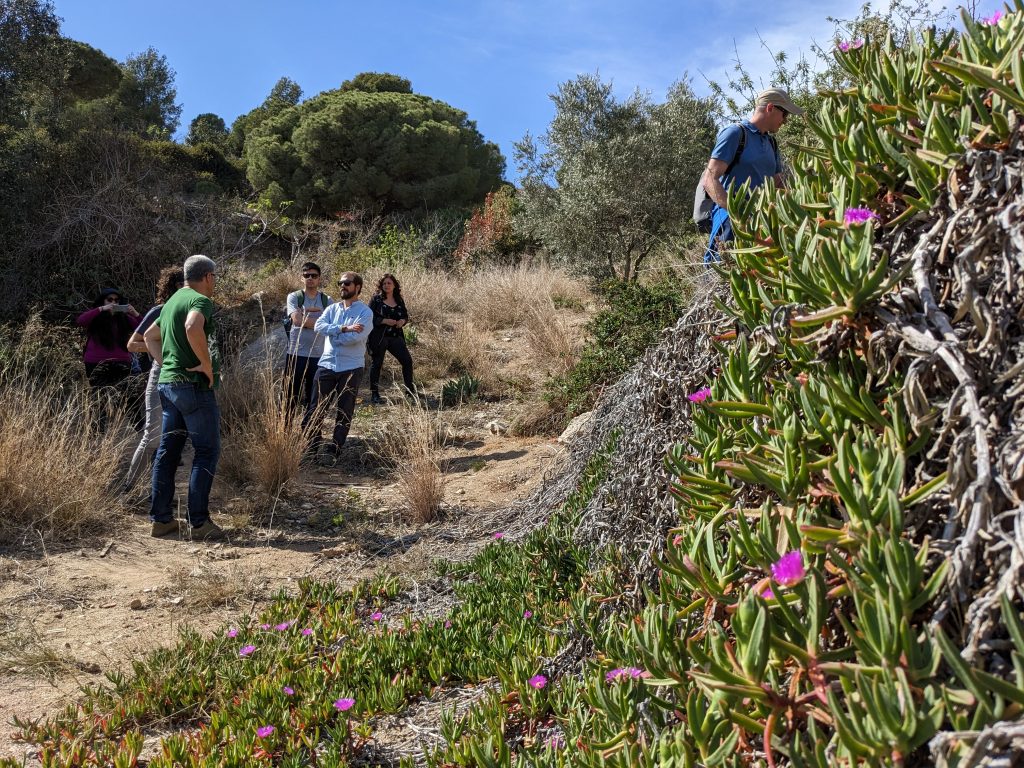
{"x":779,"y":98}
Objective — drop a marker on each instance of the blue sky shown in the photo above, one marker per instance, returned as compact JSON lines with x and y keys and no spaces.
{"x":498,"y":60}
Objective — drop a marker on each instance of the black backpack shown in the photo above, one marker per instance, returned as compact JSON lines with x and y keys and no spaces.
{"x":286,"y":321}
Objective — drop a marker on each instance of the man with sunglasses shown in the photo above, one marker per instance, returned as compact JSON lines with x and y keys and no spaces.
{"x":305,"y":345}
{"x":345,"y":327}
{"x":745,"y":152}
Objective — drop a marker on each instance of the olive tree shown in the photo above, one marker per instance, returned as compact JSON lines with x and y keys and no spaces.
{"x":611,"y":178}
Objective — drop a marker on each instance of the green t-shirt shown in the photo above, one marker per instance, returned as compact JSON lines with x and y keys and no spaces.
{"x":177,"y":352}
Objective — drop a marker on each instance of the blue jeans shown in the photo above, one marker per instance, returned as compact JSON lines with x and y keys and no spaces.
{"x":189,"y":412}
{"x":721,"y":229}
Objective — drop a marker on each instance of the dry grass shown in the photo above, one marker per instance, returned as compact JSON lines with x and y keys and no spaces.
{"x":261,"y":445}
{"x":502,"y":297}
{"x":554,"y":343}
{"x":539,"y":416}
{"x":23,"y":650}
{"x":56,"y":471}
{"x":408,"y":441}
{"x":204,"y":588}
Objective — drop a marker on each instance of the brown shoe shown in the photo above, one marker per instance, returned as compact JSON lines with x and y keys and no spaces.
{"x":208,"y":531}
{"x":164,"y":529}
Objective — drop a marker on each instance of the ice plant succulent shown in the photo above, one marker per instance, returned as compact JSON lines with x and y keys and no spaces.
{"x":376,"y":615}
{"x":788,"y":570}
{"x":264,"y":731}
{"x":288,"y":691}
{"x":993,"y":20}
{"x":246,"y":650}
{"x":850,"y":45}
{"x":343,"y":705}
{"x":537,"y":681}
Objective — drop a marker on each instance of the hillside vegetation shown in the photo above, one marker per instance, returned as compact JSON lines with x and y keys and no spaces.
{"x":839,"y":579}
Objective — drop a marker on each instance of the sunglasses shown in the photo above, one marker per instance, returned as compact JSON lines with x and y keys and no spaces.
{"x":346,"y":282}
{"x":310,"y":275}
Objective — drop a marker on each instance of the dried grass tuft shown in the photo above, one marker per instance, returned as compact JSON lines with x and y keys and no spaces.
{"x":56,"y":470}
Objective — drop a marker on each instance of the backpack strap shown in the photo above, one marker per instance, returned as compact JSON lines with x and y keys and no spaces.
{"x":739,"y":149}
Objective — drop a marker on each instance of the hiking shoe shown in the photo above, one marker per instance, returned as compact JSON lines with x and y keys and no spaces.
{"x":164,"y":529}
{"x":376,"y":400}
{"x":208,"y":531}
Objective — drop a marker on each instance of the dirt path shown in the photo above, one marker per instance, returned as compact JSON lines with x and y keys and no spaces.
{"x":69,"y":616}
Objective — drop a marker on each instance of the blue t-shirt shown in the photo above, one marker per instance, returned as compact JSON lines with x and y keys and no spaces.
{"x":758,"y":162}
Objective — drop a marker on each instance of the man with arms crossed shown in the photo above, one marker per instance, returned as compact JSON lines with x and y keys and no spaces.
{"x":179,"y":342}
{"x":345,"y":327}
{"x":745,"y":151}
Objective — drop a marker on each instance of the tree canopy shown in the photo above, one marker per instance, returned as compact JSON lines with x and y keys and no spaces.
{"x":611,"y":178}
{"x":379,"y":150}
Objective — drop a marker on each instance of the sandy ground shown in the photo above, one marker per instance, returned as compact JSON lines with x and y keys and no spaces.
{"x":68,"y":616}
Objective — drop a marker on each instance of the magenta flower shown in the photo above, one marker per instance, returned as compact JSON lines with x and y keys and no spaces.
{"x":264,"y":626}
{"x":288,"y":690}
{"x":447,"y":625}
{"x":700,"y":395}
{"x":858,"y":216}
{"x":232,"y":632}
{"x":846,"y":47}
{"x":612,"y":675}
{"x":993,"y":19}
{"x":307,"y":631}
{"x":537,"y":681}
{"x":767,"y":593}
{"x":343,"y":705}
{"x":556,"y":742}
{"x":527,"y":613}
{"x":247,"y":650}
{"x":264,"y":731}
{"x":789,"y":570}
{"x":283,"y":626}
{"x":627,"y":673}
{"x":499,"y":535}
{"x":376,"y":615}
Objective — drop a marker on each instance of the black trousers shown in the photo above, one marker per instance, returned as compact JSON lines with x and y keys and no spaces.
{"x":327,"y":385}
{"x":111,"y":384}
{"x":396,"y":346}
{"x":299,"y":373}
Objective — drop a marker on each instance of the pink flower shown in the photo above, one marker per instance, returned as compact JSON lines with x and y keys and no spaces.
{"x":499,"y":535}
{"x":264,"y":731}
{"x":343,"y":705}
{"x":283,"y":626}
{"x":288,"y":691}
{"x":447,"y":625}
{"x":700,"y":395}
{"x":307,"y":632}
{"x":677,"y":540}
{"x":537,"y":681}
{"x":613,"y":675}
{"x":264,"y":626}
{"x":556,"y":742}
{"x":376,"y":615}
{"x":993,"y":19}
{"x":247,"y":650}
{"x":527,"y":613}
{"x":858,"y":216}
{"x":845,"y":47}
{"x":232,"y":632}
{"x":789,"y":570}
{"x":767,"y":593}
{"x":628,"y":673}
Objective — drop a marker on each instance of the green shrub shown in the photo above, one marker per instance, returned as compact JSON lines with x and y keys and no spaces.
{"x":617,"y":336}
{"x":460,"y":390}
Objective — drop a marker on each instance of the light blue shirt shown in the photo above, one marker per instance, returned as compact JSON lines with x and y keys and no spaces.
{"x":344,"y":351}
{"x":758,"y":161}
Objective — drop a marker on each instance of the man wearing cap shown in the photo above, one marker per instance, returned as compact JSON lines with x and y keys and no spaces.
{"x":744,"y":152}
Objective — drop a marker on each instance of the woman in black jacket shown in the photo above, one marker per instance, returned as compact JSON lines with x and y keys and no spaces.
{"x":389,"y":317}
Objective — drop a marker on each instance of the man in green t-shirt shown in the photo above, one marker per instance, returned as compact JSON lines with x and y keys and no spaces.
{"x":182,"y":342}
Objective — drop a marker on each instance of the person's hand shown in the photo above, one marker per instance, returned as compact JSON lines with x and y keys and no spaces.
{"x":132,"y":310}
{"x":107,"y":308}
{"x":313,"y":311}
{"x":357,"y":328}
{"x":206,"y":369}
{"x":389,"y":322}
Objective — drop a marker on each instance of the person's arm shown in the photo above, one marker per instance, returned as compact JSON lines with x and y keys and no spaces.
{"x":90,"y":314}
{"x":403,"y":316}
{"x":195,"y":332}
{"x":153,"y":339}
{"x":356,"y":330}
{"x":137,"y":343}
{"x":713,"y":182}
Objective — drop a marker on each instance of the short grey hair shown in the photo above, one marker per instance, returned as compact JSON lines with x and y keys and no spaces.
{"x":197,"y":267}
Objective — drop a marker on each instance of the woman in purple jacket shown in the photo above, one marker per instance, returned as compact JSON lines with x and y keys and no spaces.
{"x":108,"y":326}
